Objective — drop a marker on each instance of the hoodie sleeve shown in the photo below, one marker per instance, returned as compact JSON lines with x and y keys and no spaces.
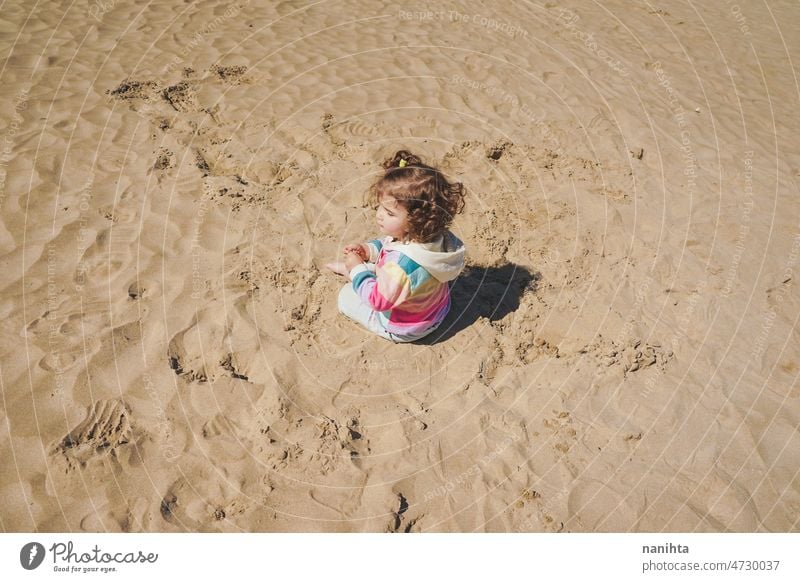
{"x":374,"y":247}
{"x":385,"y":289}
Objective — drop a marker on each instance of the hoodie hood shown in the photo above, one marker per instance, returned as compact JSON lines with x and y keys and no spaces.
{"x":443,"y":258}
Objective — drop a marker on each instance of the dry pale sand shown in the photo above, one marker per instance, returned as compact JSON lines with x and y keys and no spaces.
{"x":622,"y":353}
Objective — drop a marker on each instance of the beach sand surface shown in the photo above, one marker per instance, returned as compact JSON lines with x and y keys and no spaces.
{"x":622,"y":351}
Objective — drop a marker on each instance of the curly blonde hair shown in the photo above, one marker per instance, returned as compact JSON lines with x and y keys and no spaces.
{"x":430,"y":200}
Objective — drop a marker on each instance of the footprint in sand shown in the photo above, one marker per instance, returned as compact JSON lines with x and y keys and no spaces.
{"x":183,"y":97}
{"x":94,"y":318}
{"x":563,"y":431}
{"x":72,"y":320}
{"x":165,"y":160}
{"x":60,"y":360}
{"x":108,"y":255}
{"x":204,"y":504}
{"x":632,"y":355}
{"x":187,"y":116}
{"x":78,"y":337}
{"x":232,"y":75}
{"x":133,"y":516}
{"x":400,"y":523}
{"x":143,"y":289}
{"x":106,"y":430}
{"x":336,"y":442}
{"x":185,"y":354}
{"x":533,"y":512}
{"x":340,"y":131}
{"x":222,"y":437}
{"x":131,"y":89}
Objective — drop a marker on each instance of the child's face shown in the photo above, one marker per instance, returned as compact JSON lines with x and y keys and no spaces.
{"x":391,"y":217}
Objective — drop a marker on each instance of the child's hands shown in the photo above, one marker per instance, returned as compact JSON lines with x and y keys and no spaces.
{"x":351,"y":259}
{"x":354,"y":254}
{"x":361,"y":249}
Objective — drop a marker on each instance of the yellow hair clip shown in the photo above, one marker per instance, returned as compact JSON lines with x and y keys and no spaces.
{"x":402,"y":164}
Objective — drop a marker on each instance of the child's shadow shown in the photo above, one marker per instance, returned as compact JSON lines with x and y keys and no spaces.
{"x":491,"y":292}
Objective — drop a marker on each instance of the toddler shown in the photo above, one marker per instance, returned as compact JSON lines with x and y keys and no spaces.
{"x":399,"y":283}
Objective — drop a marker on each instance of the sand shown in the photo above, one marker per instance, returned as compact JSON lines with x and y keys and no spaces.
{"x":622,"y":350}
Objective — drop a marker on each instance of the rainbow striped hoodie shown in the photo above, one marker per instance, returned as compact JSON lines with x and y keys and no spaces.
{"x":409,"y":286}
